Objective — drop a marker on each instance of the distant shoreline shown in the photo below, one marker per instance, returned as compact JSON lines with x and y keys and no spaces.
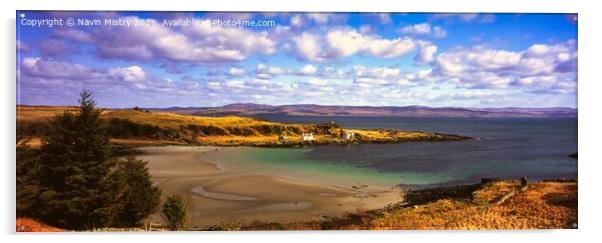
{"x":135,"y":127}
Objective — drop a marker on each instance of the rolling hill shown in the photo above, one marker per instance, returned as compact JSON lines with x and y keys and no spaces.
{"x":249,"y":109}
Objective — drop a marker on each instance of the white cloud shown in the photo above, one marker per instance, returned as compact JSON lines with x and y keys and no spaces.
{"x":423,"y":28}
{"x":46,"y":74}
{"x":439,"y":32}
{"x":307,"y":47}
{"x":467,"y":17}
{"x":424,"y":73}
{"x":344,"y":43}
{"x":385,"y":18}
{"x":371,"y":81}
{"x":296,"y":20}
{"x":378,"y":72}
{"x":235,"y":84}
{"x":308,"y":70}
{"x":267,"y":72}
{"x":22,"y":47}
{"x":426,"y":53}
{"x":199,"y":43}
{"x":52,"y":69}
{"x":319,"y":18}
{"x":233,"y":71}
{"x":129,"y":74}
{"x":540,"y":65}
{"x":317,"y":82}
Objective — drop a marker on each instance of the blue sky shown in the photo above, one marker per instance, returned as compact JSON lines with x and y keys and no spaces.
{"x":378,"y":59}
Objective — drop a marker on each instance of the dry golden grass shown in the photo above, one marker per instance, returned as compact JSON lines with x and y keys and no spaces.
{"x":494,"y":190}
{"x":40,"y":113}
{"x":543,"y":205}
{"x":36,"y":142}
{"x":174,"y":121}
{"x":235,"y":130}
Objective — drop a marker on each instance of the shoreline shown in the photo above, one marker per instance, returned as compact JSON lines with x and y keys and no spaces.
{"x":218,"y":192}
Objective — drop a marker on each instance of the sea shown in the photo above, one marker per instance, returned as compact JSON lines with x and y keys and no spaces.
{"x":535,"y":148}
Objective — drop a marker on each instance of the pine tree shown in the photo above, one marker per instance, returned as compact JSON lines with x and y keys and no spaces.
{"x":74,"y":169}
{"x":139,"y":197}
{"x":174,"y":212}
{"x":27,"y":173}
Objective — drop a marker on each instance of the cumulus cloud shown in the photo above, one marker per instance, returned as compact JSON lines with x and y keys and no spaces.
{"x":308,"y":70}
{"x":377,"y":72}
{"x":72,"y":34}
{"x":540,"y":65}
{"x":129,"y":74}
{"x":342,"y":43}
{"x":48,"y":74}
{"x":318,"y":19}
{"x":426,"y":54}
{"x":370,"y":76}
{"x":296,"y":20}
{"x":317,"y":81}
{"x":348,"y":63}
{"x":308,"y":48}
{"x":267,"y":72}
{"x":424,"y":29}
{"x":199,"y":43}
{"x":233,"y":71}
{"x":22,"y":46}
{"x":48,"y":68}
{"x":467,"y":17}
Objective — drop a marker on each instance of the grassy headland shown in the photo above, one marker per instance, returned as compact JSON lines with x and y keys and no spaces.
{"x":505,"y":204}
{"x":142,"y":127}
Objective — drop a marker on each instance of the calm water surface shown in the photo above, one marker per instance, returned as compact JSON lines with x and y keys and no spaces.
{"x":505,"y":147}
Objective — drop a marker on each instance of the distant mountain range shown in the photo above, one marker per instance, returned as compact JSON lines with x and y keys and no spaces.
{"x":249,"y":109}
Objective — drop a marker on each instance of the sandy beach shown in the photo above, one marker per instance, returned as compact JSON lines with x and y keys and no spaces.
{"x":223,"y":192}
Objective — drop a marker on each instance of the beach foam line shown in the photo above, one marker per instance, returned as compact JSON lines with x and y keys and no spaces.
{"x":199,"y":190}
{"x":217,"y":165}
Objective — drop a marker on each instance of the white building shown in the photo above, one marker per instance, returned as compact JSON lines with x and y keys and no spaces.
{"x":307,"y":136}
{"x":348,"y":135}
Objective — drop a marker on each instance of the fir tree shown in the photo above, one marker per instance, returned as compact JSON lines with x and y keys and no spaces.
{"x":74,"y":169}
{"x":174,"y":212}
{"x":27,"y":173}
{"x":139,"y":197}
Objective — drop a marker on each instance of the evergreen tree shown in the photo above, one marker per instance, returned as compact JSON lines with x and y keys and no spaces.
{"x":139,"y":197}
{"x":174,"y":212}
{"x":27,"y":173}
{"x":74,"y":169}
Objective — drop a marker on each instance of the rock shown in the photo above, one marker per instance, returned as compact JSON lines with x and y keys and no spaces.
{"x":359,"y":186}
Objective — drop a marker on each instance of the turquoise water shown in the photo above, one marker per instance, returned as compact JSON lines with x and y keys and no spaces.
{"x":294,"y":161}
{"x":504,"y":148}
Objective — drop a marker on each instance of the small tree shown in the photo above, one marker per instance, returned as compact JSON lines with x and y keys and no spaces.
{"x":174,"y":212}
{"x":139,"y":198}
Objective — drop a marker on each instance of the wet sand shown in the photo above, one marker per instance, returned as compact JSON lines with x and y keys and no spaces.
{"x":218,"y":191}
